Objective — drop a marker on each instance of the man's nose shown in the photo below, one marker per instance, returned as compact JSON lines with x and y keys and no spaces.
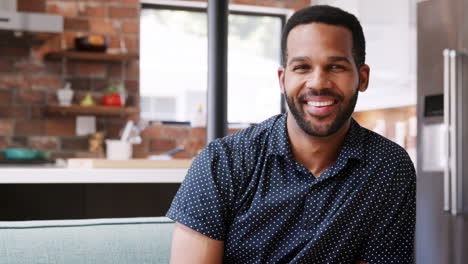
{"x":317,"y":80}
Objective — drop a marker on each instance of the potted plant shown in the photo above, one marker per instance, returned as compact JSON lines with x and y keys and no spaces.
{"x":114,"y":95}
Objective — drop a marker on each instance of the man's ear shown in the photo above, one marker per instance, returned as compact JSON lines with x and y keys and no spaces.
{"x":281,"y":72}
{"x":364,"y":72}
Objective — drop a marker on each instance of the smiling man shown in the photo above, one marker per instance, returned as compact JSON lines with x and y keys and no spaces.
{"x":308,"y":186}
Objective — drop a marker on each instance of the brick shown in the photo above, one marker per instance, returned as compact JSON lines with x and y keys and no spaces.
{"x":37,"y":111}
{"x":13,"y":81}
{"x":89,"y":69}
{"x":80,"y":84}
{"x":17,"y":112}
{"x":53,"y":67}
{"x":3,"y":142}
{"x":115,"y":70}
{"x":133,"y":100}
{"x":232,"y":130}
{"x":60,"y":127}
{"x":75,"y":143}
{"x":195,"y":144}
{"x":198,"y":133}
{"x":92,"y":10}
{"x":131,"y":27}
{"x":131,"y":43}
{"x":112,"y":130}
{"x":6,"y":127}
{"x":130,"y":2}
{"x":69,"y":37}
{"x":39,"y":52}
{"x":31,"y":5}
{"x":63,"y":8}
{"x":45,"y":82}
{"x":6,"y":65}
{"x":153,"y":131}
{"x":51,"y":98}
{"x":162,"y":144}
{"x":141,"y":150}
{"x":133,"y":70}
{"x":89,"y":155}
{"x":63,"y":154}
{"x":77,"y":24}
{"x":132,"y":86}
{"x":29,"y":127}
{"x":19,"y":141}
{"x":175,"y":132}
{"x":114,"y":42}
{"x":14,"y":51}
{"x":5,"y":96}
{"x":101,"y":26}
{"x":28,"y":66}
{"x":44,"y":142}
{"x":99,"y":85}
{"x":30,"y":97}
{"x":185,"y":154}
{"x":123,"y":12}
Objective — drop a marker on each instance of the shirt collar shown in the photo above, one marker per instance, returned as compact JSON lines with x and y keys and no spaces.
{"x":279,"y":140}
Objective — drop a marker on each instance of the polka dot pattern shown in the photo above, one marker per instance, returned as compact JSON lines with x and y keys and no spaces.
{"x":247,"y":190}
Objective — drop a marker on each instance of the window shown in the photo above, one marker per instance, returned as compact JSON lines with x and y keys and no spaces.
{"x":174,"y":55}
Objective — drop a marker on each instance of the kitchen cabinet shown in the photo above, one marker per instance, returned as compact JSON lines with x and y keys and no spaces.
{"x":46,"y":193}
{"x":21,"y":202}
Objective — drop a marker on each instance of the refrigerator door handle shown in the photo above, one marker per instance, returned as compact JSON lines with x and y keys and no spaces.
{"x":454,"y":131}
{"x":447,"y":96}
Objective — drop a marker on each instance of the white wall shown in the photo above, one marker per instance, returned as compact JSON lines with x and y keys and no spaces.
{"x":390,"y":31}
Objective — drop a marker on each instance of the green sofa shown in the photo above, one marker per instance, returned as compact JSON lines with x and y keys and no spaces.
{"x":95,"y":241}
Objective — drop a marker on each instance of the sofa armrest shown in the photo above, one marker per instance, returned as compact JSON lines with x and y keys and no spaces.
{"x":110,"y":240}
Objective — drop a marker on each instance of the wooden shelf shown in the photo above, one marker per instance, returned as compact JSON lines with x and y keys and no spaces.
{"x":91,"y":56}
{"x":74,"y":110}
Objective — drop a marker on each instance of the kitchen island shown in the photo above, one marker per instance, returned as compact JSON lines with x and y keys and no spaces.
{"x":52,"y":175}
{"x":51,"y":192}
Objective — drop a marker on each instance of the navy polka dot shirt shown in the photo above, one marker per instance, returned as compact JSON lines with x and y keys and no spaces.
{"x":247,"y":190}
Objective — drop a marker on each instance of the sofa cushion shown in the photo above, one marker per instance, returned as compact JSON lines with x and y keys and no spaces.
{"x":111,"y":240}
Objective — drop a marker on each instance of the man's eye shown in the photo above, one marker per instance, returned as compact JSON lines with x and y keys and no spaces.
{"x":337,"y":68}
{"x":301,"y":67}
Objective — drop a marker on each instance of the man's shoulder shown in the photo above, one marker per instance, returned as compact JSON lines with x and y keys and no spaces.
{"x":381,"y":149}
{"x":249,"y":138}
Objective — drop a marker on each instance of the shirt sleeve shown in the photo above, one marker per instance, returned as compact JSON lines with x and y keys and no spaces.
{"x":392,"y":238}
{"x":204,"y":198}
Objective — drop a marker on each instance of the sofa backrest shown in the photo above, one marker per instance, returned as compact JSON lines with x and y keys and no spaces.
{"x":94,"y":241}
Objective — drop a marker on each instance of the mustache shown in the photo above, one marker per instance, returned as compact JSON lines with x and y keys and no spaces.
{"x":321,"y":92}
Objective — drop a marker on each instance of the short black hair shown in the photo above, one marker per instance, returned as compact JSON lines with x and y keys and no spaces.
{"x":331,"y":16}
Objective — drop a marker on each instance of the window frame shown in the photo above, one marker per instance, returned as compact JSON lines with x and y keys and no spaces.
{"x":248,"y":10}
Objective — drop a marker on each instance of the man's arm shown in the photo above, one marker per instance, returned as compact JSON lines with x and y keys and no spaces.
{"x":392,"y":238}
{"x":189,"y":246}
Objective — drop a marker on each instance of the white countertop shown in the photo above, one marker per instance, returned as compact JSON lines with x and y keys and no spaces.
{"x":51,"y":174}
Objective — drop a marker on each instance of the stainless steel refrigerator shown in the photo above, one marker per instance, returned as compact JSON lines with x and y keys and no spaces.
{"x":442,"y":160}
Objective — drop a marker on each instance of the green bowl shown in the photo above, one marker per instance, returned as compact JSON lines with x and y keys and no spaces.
{"x":23,"y":154}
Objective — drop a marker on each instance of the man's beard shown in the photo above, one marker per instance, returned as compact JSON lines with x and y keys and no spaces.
{"x":307,"y":126}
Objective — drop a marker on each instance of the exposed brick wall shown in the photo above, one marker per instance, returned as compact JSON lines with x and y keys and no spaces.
{"x":28,"y":82}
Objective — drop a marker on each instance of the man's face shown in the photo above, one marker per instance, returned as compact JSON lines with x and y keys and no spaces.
{"x":321,"y":81}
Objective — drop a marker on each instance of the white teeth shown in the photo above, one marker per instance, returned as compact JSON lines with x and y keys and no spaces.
{"x":326,"y":103}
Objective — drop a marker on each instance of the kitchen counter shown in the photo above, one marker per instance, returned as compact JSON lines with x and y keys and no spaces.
{"x":98,"y":171}
{"x":66,"y":175}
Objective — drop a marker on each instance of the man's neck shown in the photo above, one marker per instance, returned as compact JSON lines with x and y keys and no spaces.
{"x":316,"y":153}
